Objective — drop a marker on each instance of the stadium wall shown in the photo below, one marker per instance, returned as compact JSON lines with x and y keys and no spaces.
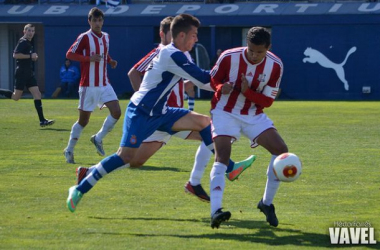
{"x":329,"y":50}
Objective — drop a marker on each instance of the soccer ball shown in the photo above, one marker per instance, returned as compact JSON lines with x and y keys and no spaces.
{"x":287,"y":167}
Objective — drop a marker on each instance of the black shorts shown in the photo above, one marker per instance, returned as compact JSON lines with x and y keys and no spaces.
{"x":24,"y":79}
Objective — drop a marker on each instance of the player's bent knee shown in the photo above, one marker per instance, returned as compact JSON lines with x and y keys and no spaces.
{"x":204,"y":120}
{"x":136,"y":164}
{"x":116,"y":114}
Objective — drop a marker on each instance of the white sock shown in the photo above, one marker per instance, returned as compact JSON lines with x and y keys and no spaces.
{"x":217,"y":184}
{"x":108,"y":125}
{"x":76,"y":131}
{"x":202,"y":157}
{"x":90,"y":169}
{"x":272,"y":184}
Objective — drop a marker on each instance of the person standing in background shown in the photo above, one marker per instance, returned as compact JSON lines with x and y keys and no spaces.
{"x":24,"y":76}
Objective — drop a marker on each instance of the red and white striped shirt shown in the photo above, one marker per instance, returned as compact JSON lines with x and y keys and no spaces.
{"x":263,"y":82}
{"x":93,"y":74}
{"x":175,"y":99}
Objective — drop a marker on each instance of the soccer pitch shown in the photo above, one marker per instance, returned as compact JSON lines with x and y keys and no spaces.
{"x":147,"y":208}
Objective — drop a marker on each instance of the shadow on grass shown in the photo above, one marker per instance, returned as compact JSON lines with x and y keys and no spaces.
{"x":56,"y":129}
{"x":144,"y":219}
{"x":144,"y":168}
{"x":151,"y":168}
{"x":262,"y":233}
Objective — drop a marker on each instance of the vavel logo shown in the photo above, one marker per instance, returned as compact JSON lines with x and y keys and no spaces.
{"x":344,"y":233}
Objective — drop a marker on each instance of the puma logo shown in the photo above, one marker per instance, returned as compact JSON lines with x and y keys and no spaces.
{"x":314,"y":56}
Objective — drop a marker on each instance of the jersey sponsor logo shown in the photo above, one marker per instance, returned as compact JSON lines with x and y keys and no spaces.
{"x":314,"y":56}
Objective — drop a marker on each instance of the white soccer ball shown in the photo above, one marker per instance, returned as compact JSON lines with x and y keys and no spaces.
{"x":287,"y":167}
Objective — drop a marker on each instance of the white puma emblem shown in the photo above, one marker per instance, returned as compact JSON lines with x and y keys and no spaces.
{"x":313,"y":56}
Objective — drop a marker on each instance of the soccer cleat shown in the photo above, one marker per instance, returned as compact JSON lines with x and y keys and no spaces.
{"x":197,"y":191}
{"x":218,"y":217}
{"x":69,"y":156}
{"x":269,"y":212}
{"x":240,"y":167}
{"x":74,"y":198}
{"x":6,"y":93}
{"x":45,"y":123}
{"x":98,"y":146}
{"x":81,"y":173}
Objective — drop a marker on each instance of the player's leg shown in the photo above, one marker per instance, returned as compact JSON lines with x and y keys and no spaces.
{"x":107,"y":165}
{"x":145,"y":151}
{"x":38,"y":105}
{"x":202,"y":157}
{"x":189,"y":89}
{"x":271,"y":141}
{"x":17,"y":94}
{"x":225,"y":128}
{"x":222,"y":146}
{"x":109,"y":99}
{"x":76,"y":131}
{"x":201,"y":123}
{"x":133,"y":135}
{"x":20,"y":81}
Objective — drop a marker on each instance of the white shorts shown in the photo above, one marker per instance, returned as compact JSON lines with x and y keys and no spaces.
{"x":89,"y":97}
{"x":164,"y":137}
{"x":226,"y":124}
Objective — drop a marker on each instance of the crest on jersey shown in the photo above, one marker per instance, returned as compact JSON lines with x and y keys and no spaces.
{"x":261,"y":78}
{"x":133,"y":139}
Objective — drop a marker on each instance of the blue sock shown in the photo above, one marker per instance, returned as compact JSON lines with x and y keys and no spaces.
{"x":207,"y":139}
{"x":191,"y":103}
{"x":108,"y":164}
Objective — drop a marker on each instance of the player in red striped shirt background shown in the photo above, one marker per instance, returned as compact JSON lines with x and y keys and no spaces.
{"x":246,"y":81}
{"x":91,"y":49}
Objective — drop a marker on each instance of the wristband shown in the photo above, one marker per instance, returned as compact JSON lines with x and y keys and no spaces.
{"x":30,"y":55}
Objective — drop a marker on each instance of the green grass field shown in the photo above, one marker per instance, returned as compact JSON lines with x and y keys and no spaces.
{"x":338,"y":142}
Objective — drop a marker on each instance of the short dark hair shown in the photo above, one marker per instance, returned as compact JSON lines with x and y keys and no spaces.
{"x":29,"y":25}
{"x":183,"y":23}
{"x":165,"y":24}
{"x":259,"y":36}
{"x":95,"y":12}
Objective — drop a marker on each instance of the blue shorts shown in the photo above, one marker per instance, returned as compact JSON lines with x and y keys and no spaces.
{"x":138,"y":125}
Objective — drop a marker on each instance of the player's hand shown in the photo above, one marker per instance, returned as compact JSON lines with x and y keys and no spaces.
{"x":95,"y":58}
{"x":34,"y":56}
{"x":227,"y":88}
{"x":244,"y":83}
{"x":113,"y":64}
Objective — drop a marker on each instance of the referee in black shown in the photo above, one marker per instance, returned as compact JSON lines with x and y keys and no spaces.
{"x":24,"y":75}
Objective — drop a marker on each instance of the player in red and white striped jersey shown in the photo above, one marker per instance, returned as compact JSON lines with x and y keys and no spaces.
{"x":246,"y":81}
{"x":91,"y":49}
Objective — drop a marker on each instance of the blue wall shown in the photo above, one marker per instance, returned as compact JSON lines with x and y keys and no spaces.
{"x":330,"y":35}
